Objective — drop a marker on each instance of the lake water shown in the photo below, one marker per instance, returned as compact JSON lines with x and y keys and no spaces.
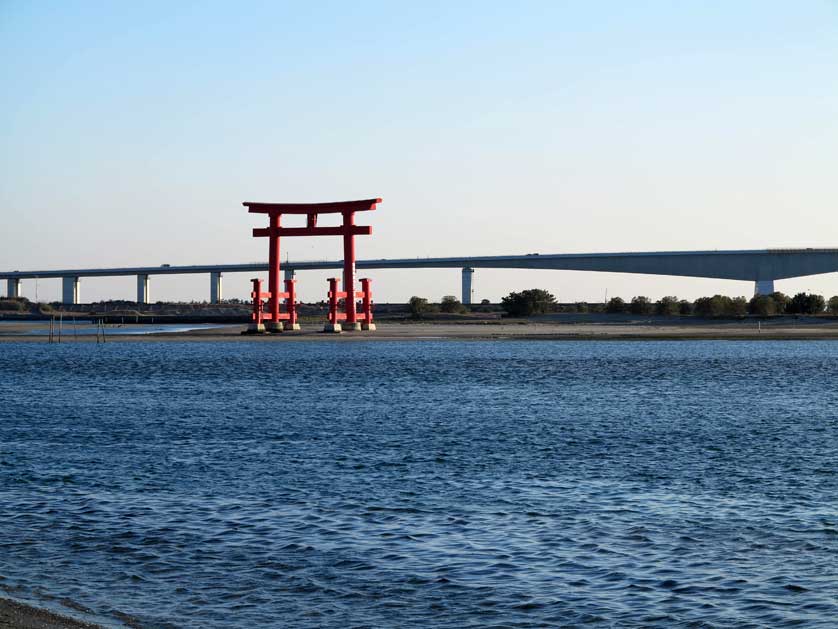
{"x":423,"y":484}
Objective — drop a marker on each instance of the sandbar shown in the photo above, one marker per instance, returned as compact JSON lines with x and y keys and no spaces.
{"x":15,"y":615}
{"x":812,"y":328}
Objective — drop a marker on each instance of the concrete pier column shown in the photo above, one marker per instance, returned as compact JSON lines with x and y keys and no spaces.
{"x":288,"y":274}
{"x":215,"y":287}
{"x":143,"y":290}
{"x":69,"y":290}
{"x":467,"y":285}
{"x":763,"y":287}
{"x":13,"y":287}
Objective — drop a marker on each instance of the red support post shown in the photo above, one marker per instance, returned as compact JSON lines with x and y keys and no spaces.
{"x":333,"y":324}
{"x":273,"y":271}
{"x":365,"y":289}
{"x":349,"y":269}
{"x":291,"y":305}
{"x":256,"y":324}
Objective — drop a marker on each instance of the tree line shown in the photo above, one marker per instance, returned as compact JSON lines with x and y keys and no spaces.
{"x":538,"y":301}
{"x":449,"y":304}
{"x":776,"y":303}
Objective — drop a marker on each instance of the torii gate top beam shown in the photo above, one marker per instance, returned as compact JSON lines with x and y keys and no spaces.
{"x":336,"y":207}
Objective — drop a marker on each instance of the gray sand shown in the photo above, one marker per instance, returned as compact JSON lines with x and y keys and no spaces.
{"x":14,"y":615}
{"x":810,"y":328}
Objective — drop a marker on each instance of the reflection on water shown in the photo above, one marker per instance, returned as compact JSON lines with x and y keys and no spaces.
{"x":445,"y":484}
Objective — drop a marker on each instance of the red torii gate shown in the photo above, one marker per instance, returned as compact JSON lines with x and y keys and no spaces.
{"x":275,"y":230}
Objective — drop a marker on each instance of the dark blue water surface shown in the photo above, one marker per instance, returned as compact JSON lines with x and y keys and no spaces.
{"x":416,"y":484}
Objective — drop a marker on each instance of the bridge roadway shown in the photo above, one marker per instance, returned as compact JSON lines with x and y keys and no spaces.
{"x":761,"y":266}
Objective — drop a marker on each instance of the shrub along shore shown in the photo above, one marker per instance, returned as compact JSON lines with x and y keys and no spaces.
{"x":537,"y":301}
{"x":517,"y":304}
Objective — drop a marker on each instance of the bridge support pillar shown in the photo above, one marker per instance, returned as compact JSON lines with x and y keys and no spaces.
{"x":215,"y":287}
{"x":143,"y":290}
{"x":763,"y":287}
{"x":288,"y":274}
{"x":468,"y":272}
{"x":69,"y":290}
{"x":13,"y":287}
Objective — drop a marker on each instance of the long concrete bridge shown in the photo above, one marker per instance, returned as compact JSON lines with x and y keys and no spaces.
{"x":761,"y":266}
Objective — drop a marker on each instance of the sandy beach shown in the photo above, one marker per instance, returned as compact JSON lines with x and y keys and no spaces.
{"x":780,"y":329}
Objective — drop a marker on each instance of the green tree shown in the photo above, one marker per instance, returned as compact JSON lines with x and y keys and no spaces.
{"x":803,"y":303}
{"x":685,"y":308}
{"x":451,"y":304}
{"x":720,"y":306}
{"x":833,"y":305}
{"x":15,"y":304}
{"x":528,"y":302}
{"x":668,"y":306}
{"x":641,"y":306}
{"x":797,"y":304}
{"x":762,"y":305}
{"x":615,"y":305}
{"x":738,"y":307}
{"x":702,"y":307}
{"x":418,"y":306}
{"x":781,"y":301}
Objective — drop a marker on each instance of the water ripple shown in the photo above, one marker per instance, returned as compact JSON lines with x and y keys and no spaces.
{"x":446,"y":484}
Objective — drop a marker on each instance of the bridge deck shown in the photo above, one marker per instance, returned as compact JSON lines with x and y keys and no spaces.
{"x":747,"y":265}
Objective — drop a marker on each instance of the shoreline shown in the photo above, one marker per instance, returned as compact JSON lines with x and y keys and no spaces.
{"x":18,"y":615}
{"x":36,"y":332}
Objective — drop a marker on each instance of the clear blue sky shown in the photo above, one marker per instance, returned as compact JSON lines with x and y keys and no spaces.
{"x":132,"y":132}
